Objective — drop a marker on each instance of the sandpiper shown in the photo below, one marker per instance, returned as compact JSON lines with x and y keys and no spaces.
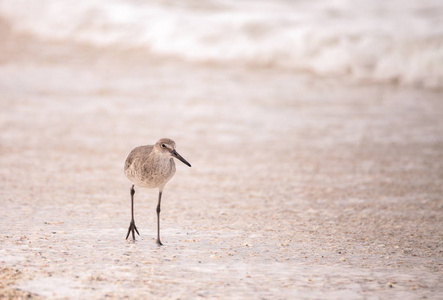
{"x":151,"y":167}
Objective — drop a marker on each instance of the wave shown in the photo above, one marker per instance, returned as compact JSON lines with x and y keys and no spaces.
{"x":381,"y":41}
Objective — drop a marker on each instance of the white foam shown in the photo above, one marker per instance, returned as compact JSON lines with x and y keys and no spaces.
{"x":382,"y":41}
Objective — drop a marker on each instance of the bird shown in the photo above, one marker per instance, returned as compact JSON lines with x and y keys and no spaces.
{"x":151,"y":166}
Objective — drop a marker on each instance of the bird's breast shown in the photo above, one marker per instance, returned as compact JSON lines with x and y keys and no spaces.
{"x":157,"y":173}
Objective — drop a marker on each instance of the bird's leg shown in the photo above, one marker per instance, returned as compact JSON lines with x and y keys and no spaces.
{"x":132,"y":227}
{"x":158,"y":218}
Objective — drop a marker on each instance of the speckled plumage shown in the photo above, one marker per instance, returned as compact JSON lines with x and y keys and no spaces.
{"x":147,"y":167}
{"x":151,"y":167}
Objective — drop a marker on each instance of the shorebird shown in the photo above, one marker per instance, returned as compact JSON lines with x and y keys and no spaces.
{"x":151,"y":167}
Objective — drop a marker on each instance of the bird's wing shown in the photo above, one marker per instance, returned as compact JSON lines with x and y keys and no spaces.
{"x":138,"y":155}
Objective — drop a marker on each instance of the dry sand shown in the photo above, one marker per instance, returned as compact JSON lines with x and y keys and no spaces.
{"x":300,"y":188}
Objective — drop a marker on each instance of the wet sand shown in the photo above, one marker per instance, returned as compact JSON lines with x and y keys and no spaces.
{"x":300,"y":188}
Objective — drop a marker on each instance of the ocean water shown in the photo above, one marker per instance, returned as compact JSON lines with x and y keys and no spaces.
{"x":398,"y":41}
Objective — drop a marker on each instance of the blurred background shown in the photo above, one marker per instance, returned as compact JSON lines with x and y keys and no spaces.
{"x":314,"y":130}
{"x":364,"y":41}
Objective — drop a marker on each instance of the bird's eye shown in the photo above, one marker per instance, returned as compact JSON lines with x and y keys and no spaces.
{"x":163,"y":145}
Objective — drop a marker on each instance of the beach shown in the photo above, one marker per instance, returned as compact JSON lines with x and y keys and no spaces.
{"x":304,"y":184}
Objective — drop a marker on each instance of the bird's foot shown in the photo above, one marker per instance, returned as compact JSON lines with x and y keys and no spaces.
{"x":159,"y":242}
{"x":132,"y":228}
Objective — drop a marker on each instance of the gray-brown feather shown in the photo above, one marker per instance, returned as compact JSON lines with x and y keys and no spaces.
{"x":147,"y":168}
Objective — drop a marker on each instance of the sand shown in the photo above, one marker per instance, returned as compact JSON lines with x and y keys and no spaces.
{"x":300,"y":187}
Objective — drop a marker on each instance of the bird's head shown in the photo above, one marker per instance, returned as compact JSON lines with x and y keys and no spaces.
{"x":167,"y":147}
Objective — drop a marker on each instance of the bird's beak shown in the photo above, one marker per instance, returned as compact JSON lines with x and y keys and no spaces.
{"x":178,"y":156}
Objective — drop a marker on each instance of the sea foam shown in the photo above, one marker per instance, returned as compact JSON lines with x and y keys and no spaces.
{"x":377,"y":41}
